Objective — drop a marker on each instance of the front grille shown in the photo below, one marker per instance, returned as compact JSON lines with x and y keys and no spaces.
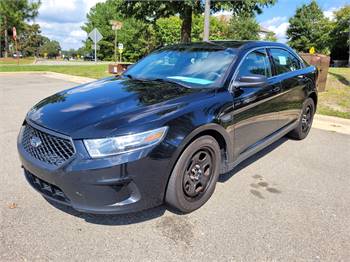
{"x":46,"y":188}
{"x":48,"y":148}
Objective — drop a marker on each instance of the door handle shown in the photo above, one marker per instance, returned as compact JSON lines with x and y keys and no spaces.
{"x":276,"y":89}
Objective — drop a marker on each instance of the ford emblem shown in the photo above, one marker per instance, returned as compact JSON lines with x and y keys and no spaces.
{"x":35,"y":141}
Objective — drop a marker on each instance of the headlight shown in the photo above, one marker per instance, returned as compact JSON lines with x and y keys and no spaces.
{"x":122,"y":144}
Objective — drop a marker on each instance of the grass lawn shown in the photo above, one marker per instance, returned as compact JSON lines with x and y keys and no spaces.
{"x":13,"y":61}
{"x":93,"y":71}
{"x":335,"y":101}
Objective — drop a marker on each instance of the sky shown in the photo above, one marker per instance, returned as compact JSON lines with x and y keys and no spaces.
{"x":61,"y":19}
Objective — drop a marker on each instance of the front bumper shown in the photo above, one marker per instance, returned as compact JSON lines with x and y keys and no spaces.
{"x":112,"y":185}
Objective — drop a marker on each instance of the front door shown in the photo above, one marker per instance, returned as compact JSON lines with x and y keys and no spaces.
{"x":255,"y":112}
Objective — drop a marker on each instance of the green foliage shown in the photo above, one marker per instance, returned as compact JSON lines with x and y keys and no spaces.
{"x":50,"y":49}
{"x":15,"y":13}
{"x":218,"y":28}
{"x":246,"y":7}
{"x":309,"y":28}
{"x":30,"y":40}
{"x":138,"y":37}
{"x":340,"y":33}
{"x":168,"y":30}
{"x":243,"y":28}
{"x":148,"y":24}
{"x":151,"y":11}
{"x":270,"y":36}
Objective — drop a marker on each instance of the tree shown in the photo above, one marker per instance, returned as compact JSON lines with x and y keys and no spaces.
{"x":50,"y":49}
{"x":151,"y":11}
{"x":168,"y":29}
{"x":218,"y":28}
{"x":30,"y":40}
{"x":138,"y":37}
{"x":340,"y":34}
{"x":309,"y":28}
{"x":270,"y":36}
{"x":15,"y":13}
{"x":243,"y":28}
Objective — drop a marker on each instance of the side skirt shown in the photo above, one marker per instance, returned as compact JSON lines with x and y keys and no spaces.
{"x":259,"y":146}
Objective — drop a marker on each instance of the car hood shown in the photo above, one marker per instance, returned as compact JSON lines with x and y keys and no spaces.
{"x":111,"y":106}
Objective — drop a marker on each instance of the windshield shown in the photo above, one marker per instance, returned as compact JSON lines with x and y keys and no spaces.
{"x":192,"y":67}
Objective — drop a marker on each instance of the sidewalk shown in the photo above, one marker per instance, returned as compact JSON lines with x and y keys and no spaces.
{"x":331,"y":123}
{"x":71,"y":78}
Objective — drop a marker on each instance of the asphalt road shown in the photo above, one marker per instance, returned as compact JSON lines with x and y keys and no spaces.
{"x":288,"y":203}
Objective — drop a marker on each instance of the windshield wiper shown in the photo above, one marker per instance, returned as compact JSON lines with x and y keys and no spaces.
{"x":169,"y":81}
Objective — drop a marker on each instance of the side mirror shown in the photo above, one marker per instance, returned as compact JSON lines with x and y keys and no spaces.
{"x":250,"y":81}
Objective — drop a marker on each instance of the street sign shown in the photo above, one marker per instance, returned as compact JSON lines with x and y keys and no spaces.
{"x":120,"y":46}
{"x":96,"y":36}
{"x":116,"y":25}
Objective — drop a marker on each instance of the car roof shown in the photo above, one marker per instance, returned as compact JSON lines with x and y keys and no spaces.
{"x":224,"y":44}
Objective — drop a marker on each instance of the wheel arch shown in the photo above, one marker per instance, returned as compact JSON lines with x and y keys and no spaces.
{"x":217,"y":132}
{"x":313,"y":96}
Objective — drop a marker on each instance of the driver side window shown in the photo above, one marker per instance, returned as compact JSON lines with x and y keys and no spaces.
{"x":255,"y":63}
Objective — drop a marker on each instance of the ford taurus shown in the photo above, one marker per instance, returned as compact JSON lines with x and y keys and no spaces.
{"x":166,"y":128}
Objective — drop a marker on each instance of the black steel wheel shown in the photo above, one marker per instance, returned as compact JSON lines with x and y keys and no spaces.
{"x":305,"y":121}
{"x":195,"y":174}
{"x":198,"y":173}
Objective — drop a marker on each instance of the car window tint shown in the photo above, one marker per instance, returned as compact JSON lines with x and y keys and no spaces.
{"x":196,"y":66}
{"x":284,"y":61}
{"x":255,"y":63}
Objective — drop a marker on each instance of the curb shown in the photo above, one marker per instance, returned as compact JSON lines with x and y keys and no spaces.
{"x":331,"y":123}
{"x":71,"y":78}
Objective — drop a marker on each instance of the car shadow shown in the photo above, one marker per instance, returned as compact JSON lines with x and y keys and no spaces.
{"x":149,"y":214}
{"x":112,"y":220}
{"x":224,"y":177}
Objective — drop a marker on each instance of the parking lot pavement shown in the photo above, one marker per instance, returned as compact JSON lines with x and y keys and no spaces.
{"x":290,"y":202}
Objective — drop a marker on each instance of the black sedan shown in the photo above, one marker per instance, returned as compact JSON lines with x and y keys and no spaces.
{"x":165,"y":129}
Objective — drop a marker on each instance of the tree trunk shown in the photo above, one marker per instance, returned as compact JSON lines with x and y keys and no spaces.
{"x":6,"y":37}
{"x":349,"y":46}
{"x":186,"y":25}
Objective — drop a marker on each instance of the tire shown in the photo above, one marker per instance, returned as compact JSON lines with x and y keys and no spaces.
{"x":305,"y":121}
{"x":195,"y":174}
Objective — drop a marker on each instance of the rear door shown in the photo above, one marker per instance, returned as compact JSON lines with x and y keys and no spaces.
{"x":288,"y":69}
{"x":254,"y":106}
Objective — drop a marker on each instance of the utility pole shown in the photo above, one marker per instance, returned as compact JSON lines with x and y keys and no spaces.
{"x":349,"y":46}
{"x":0,"y":39}
{"x":206,"y":20}
{"x":116,"y":25}
{"x":115,"y":45}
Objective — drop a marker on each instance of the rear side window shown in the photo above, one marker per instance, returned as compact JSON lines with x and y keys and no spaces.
{"x":284,"y":61}
{"x":255,"y":63}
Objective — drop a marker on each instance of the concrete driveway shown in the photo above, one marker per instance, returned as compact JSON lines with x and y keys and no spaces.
{"x":289,"y":202}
